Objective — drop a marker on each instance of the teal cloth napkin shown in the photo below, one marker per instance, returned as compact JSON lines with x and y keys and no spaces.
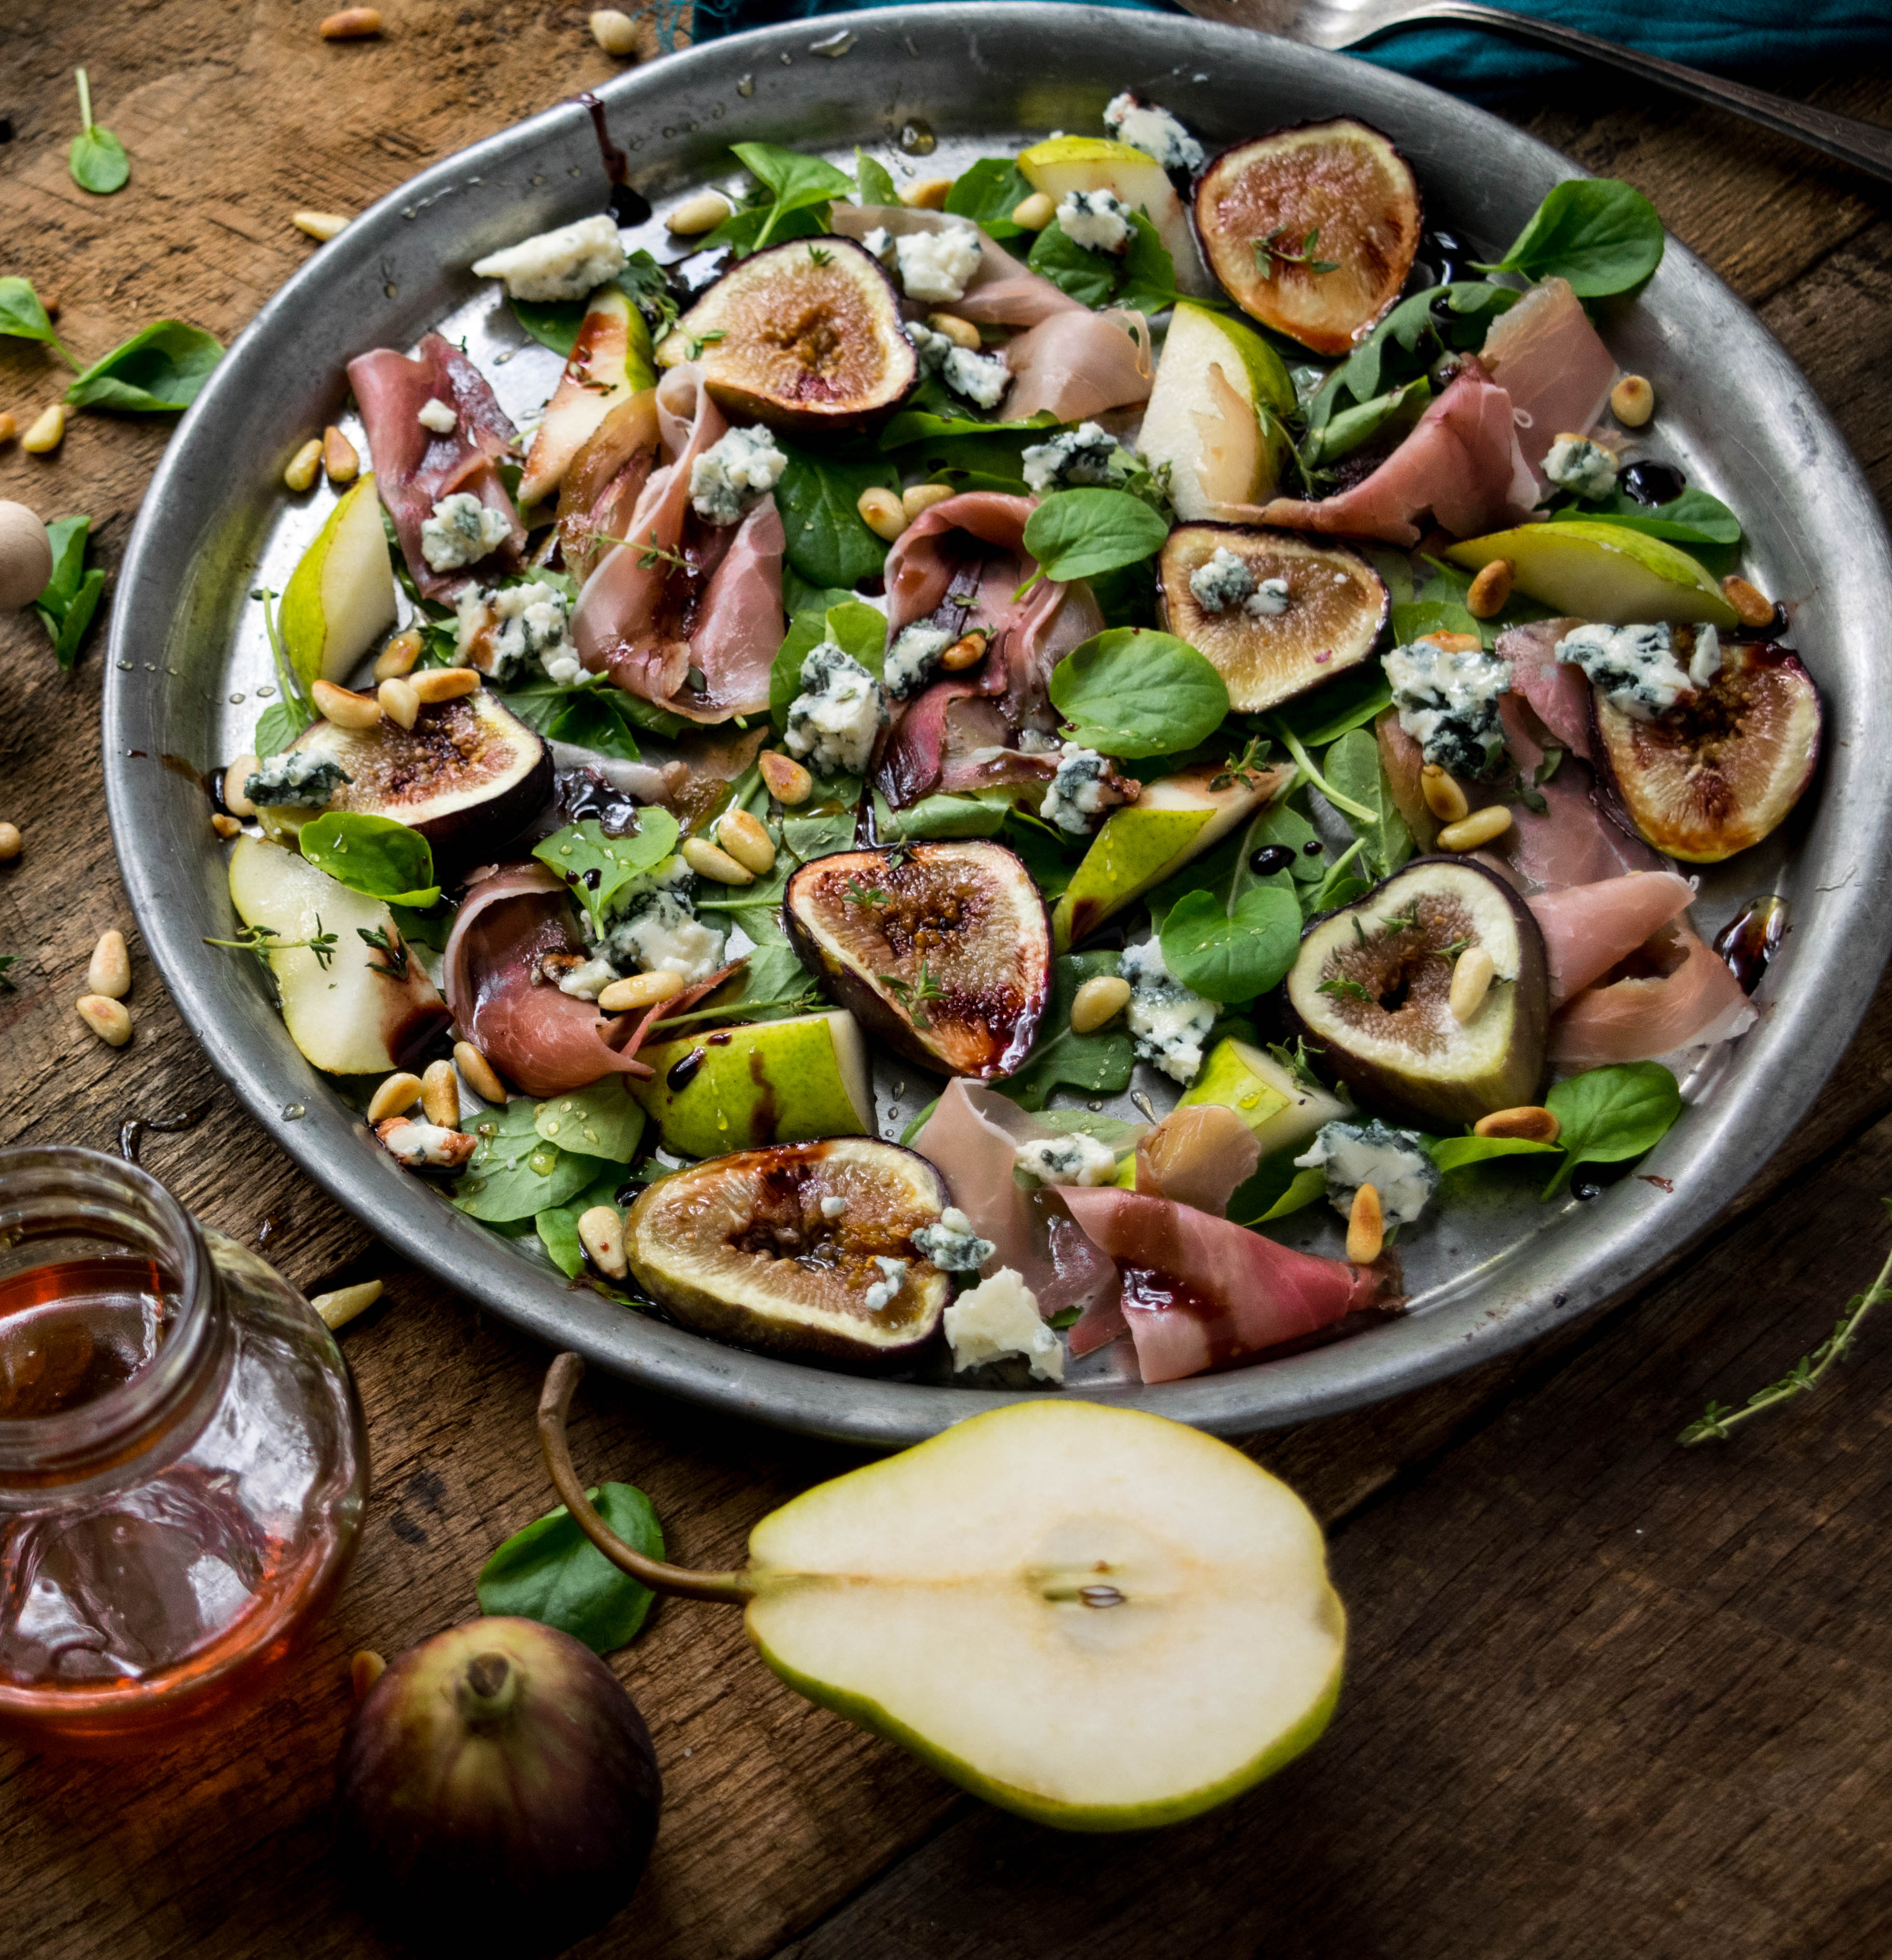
{"x":1758,"y":38}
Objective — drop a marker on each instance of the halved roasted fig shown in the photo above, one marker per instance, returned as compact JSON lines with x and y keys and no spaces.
{"x":1721,"y":769}
{"x":1312,"y":229}
{"x":944,"y":950}
{"x":806,"y":336}
{"x":1275,"y":614}
{"x":805,"y":1249}
{"x":1372,"y":984}
{"x":468,"y":776}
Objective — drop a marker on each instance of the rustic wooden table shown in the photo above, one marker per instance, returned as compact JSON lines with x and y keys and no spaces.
{"x":1607,"y":1698}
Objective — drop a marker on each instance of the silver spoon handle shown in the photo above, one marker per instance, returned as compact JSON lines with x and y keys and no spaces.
{"x":1867,"y":146}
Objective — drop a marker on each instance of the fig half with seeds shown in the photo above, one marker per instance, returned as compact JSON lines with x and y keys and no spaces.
{"x":804,"y":1249}
{"x":1312,"y":229}
{"x":1372,"y":984}
{"x":806,"y":337}
{"x":1721,"y":769}
{"x":943,"y":949}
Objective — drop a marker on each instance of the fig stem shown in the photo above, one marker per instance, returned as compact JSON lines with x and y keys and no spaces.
{"x":554,"y":1405}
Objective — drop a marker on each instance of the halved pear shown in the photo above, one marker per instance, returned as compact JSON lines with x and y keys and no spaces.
{"x":1215,"y":414}
{"x":340,"y":598}
{"x":1604,"y":572}
{"x":1283,"y":1111}
{"x":610,"y":362}
{"x":720,"y":1089}
{"x":1065,"y":163}
{"x":1174,"y":820}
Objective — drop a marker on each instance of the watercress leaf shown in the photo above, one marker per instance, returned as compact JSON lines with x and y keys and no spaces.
{"x":590,"y":716}
{"x":98,"y":161}
{"x":551,"y":1572}
{"x":1350,"y":701}
{"x":160,"y":369}
{"x":1352,"y":766}
{"x":557,"y":1227}
{"x":825,"y":823}
{"x":874,"y":180}
{"x":1600,"y":234}
{"x":373,"y":855}
{"x":1074,"y":533}
{"x":988,"y":192}
{"x":1426,"y":616}
{"x":1423,"y":326}
{"x":1693,"y":518}
{"x":742,"y":232}
{"x":1090,"y":278}
{"x":1456,"y":1152}
{"x":1098,"y":1064}
{"x":1609,"y":1114}
{"x":597,"y":866}
{"x":1332,"y":893}
{"x":827,"y":541}
{"x":1149,"y":274}
{"x":1232,"y":952}
{"x":1130,"y":692}
{"x":603,"y":1121}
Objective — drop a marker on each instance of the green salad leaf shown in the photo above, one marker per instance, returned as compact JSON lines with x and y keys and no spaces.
{"x":373,"y":855}
{"x":551,"y":1572}
{"x":597,"y":714}
{"x":597,"y":868}
{"x":1353,"y":767}
{"x":1143,"y":277}
{"x":1351,"y":428}
{"x":988,"y":192}
{"x":860,"y":630}
{"x":873,"y":179}
{"x":557,"y":1227}
{"x":1350,"y":701}
{"x":1078,"y":533}
{"x":1451,"y":1153}
{"x":827,"y":540}
{"x":799,"y":188}
{"x":1100,"y":1063}
{"x":1423,"y":326}
{"x":514,"y":1174}
{"x":1130,"y":692}
{"x":64,"y":607}
{"x":1600,"y":234}
{"x":604,"y":1121}
{"x":1236,"y":949}
{"x":162,"y":368}
{"x":555,"y":323}
{"x":1610,"y":1113}
{"x":1693,"y":518}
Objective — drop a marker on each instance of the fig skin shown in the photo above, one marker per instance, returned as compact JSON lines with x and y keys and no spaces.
{"x":498,"y":1791}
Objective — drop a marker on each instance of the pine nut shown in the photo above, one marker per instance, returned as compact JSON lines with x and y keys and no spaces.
{"x":397,"y":1096}
{"x":109,"y":970}
{"x":881,"y":512}
{"x":1098,"y":1000}
{"x":1034,"y":212}
{"x":1366,"y":1228}
{"x":1469,"y":832}
{"x":345,"y":709}
{"x":9,"y":428}
{"x":1472,"y":974}
{"x":924,"y":496}
{"x":48,"y":431}
{"x":439,"y":684}
{"x":788,"y":782}
{"x":1444,"y":798}
{"x":966,"y":651}
{"x":50,"y":305}
{"x":338,"y":1308}
{"x":320,"y":225}
{"x":107,"y":1019}
{"x":238,"y":773}
{"x":11,"y":843}
{"x":479,"y":1074}
{"x":398,"y":657}
{"x":299,"y":472}
{"x":1490,"y":589}
{"x":707,"y":862}
{"x":399,"y":703}
{"x":616,"y":34}
{"x":641,"y":989}
{"x":697,"y":215}
{"x":1531,"y":1120}
{"x":226,"y":827}
{"x":745,"y":839}
{"x":439,"y":1095}
{"x":1455,"y":643}
{"x":928,"y":194}
{"x":352,"y":23}
{"x":366,"y":1667}
{"x":601,"y":1233}
{"x":338,"y":457}
{"x":1752,"y":606}
{"x":960,"y":332}
{"x":1632,"y":401}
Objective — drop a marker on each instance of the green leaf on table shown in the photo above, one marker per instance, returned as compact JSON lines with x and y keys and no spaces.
{"x":1602,"y":235}
{"x":157,"y":371}
{"x":874,"y":180}
{"x":514,"y":1173}
{"x":860,"y":630}
{"x":597,"y":866}
{"x":96,"y":160}
{"x":1693,"y":518}
{"x":603,"y":1121}
{"x":1352,"y":766}
{"x":1130,"y":692}
{"x":1077,"y":533}
{"x":64,"y":607}
{"x":551,"y":1572}
{"x":557,"y":1227}
{"x":1609,"y":1114}
{"x":826,"y":539}
{"x":373,"y":855}
{"x":1100,"y":1063}
{"x":1451,"y":1153}
{"x":22,"y":317}
{"x":988,"y":192}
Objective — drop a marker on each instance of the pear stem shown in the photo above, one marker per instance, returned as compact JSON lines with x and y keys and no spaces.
{"x":554,"y":1405}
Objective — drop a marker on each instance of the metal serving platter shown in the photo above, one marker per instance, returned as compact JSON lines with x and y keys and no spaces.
{"x":1493,"y":1270}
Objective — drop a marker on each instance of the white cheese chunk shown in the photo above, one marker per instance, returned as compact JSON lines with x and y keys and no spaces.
{"x":1269,"y":600}
{"x":935,"y":267}
{"x":294,"y":780}
{"x":1584,"y":468}
{"x":886,"y":1289}
{"x":588,"y":981}
{"x":1079,"y":791}
{"x":1167,"y":1023}
{"x":1085,"y":455}
{"x":914,"y":658}
{"x":566,"y":264}
{"x":953,"y":1245}
{"x":652,"y":927}
{"x":437,"y":415}
{"x":732,"y":472}
{"x":1448,"y":701}
{"x":1393,"y":1161}
{"x":500,"y":630}
{"x":1221,"y":581}
{"x":1075,"y":1159}
{"x":461,"y":531}
{"x":1096,"y":220}
{"x":998,"y":1317}
{"x":1641,"y":669}
{"x":833,"y":722}
{"x":1155,"y":132}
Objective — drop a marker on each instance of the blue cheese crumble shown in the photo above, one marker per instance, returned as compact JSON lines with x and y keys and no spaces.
{"x":879,"y":242}
{"x":935,"y":267}
{"x":1584,"y":468}
{"x":1269,"y":600}
{"x":1085,"y":455}
{"x":565,"y":264}
{"x":1155,"y":132}
{"x":981,"y":378}
{"x":294,"y":780}
{"x":1000,"y":1317}
{"x":437,"y":415}
{"x":461,"y":531}
{"x":1221,"y":581}
{"x":1448,"y":701}
{"x":914,"y":658}
{"x":886,"y":1289}
{"x":1168,"y":1023}
{"x":833,"y":722}
{"x":500,"y":630}
{"x":1393,"y":1161}
{"x":652,"y":927}
{"x":1076,"y":1159}
{"x":732,"y":472}
{"x":1096,"y":220}
{"x":953,"y":1245}
{"x":1639,"y":669}
{"x":1079,"y":791}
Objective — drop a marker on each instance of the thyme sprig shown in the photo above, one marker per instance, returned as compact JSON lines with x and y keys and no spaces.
{"x":392,"y":964}
{"x":913,"y":995}
{"x":260,"y":941}
{"x":1270,"y":252}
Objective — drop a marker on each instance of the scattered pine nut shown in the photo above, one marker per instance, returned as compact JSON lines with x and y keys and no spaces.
{"x":439,"y":1095}
{"x":1444,"y":798}
{"x":928,"y":194}
{"x":399,"y":703}
{"x":50,"y":305}
{"x":109,"y":972}
{"x":338,"y":1308}
{"x":366,"y":1667}
{"x":480,"y":1077}
{"x":320,"y":225}
{"x":107,"y":1019}
{"x":924,"y":496}
{"x":788,"y":782}
{"x":746,"y":840}
{"x":1752,"y":606}
{"x":9,"y":428}
{"x":238,"y":773}
{"x":397,"y":1095}
{"x":1455,"y":643}
{"x":1034,"y":212}
{"x":697,"y":215}
{"x":352,"y":23}
{"x":960,"y":332}
{"x":11,"y":842}
{"x":48,"y":431}
{"x":1632,"y":401}
{"x":1366,"y":1228}
{"x":966,"y":651}
{"x":641,"y":989}
{"x":226,"y":827}
{"x":1098,"y":1000}
{"x":1472,"y":974}
{"x":1469,"y":832}
{"x":299,"y":474}
{"x":398,"y":657}
{"x":439,"y":684}
{"x":338,"y":457}
{"x":617,"y":34}
{"x":882,"y":513}
{"x":1490,"y":589}
{"x":343,"y":707}
{"x":601,"y":1233}
{"x":1531,"y":1120}
{"x":707,"y":862}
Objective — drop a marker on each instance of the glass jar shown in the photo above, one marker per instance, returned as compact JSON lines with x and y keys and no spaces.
{"x":183,"y":1466}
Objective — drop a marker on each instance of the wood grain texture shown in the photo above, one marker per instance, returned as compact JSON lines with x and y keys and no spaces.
{"x":1606,"y":1698}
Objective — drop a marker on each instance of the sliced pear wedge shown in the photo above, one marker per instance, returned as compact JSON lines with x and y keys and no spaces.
{"x":1282,"y":1111}
{"x":340,"y":598}
{"x":1065,"y":163}
{"x":1215,"y":414}
{"x":610,"y":362}
{"x":1096,"y":1618}
{"x":1604,"y":572}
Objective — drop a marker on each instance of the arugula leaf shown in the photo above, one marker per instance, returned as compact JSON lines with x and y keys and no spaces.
{"x":1351,"y":428}
{"x":860,"y":630}
{"x":874,"y":179}
{"x":373,"y":855}
{"x":96,"y":160}
{"x":514,"y":1173}
{"x":597,"y":867}
{"x":1076,"y":533}
{"x":22,"y":318}
{"x":1352,"y":766}
{"x":976,"y":814}
{"x":1693,"y":518}
{"x":1232,"y":951}
{"x":1130,"y":692}
{"x":161,"y":368}
{"x":71,"y":597}
{"x":988,"y":192}
{"x":558,"y":1228}
{"x":1100,"y":1063}
{"x":1600,"y":234}
{"x":827,"y":540}
{"x":1426,"y":325}
{"x":1451,"y":1153}
{"x":551,"y":1572}
{"x":1609,"y":1114}
{"x":1303,"y":1188}
{"x":604,"y":1121}
{"x":595,"y":714}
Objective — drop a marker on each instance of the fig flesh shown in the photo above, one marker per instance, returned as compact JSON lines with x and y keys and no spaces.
{"x":806,"y":337}
{"x":1311,"y":611}
{"x":1273,"y":212}
{"x":1721,"y":769}
{"x":1372,"y":983}
{"x":943,"y":949}
{"x":804,"y":1249}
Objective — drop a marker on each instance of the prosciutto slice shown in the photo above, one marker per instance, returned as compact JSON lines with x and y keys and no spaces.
{"x":1588,"y":929}
{"x":1199,"y":1155}
{"x":1558,"y":692}
{"x":415,"y":467}
{"x":1001,"y":293}
{"x":1201,"y":1293}
{"x":1076,"y":365}
{"x":1550,"y":361}
{"x":1687,"y":998}
{"x":1461,"y":462}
